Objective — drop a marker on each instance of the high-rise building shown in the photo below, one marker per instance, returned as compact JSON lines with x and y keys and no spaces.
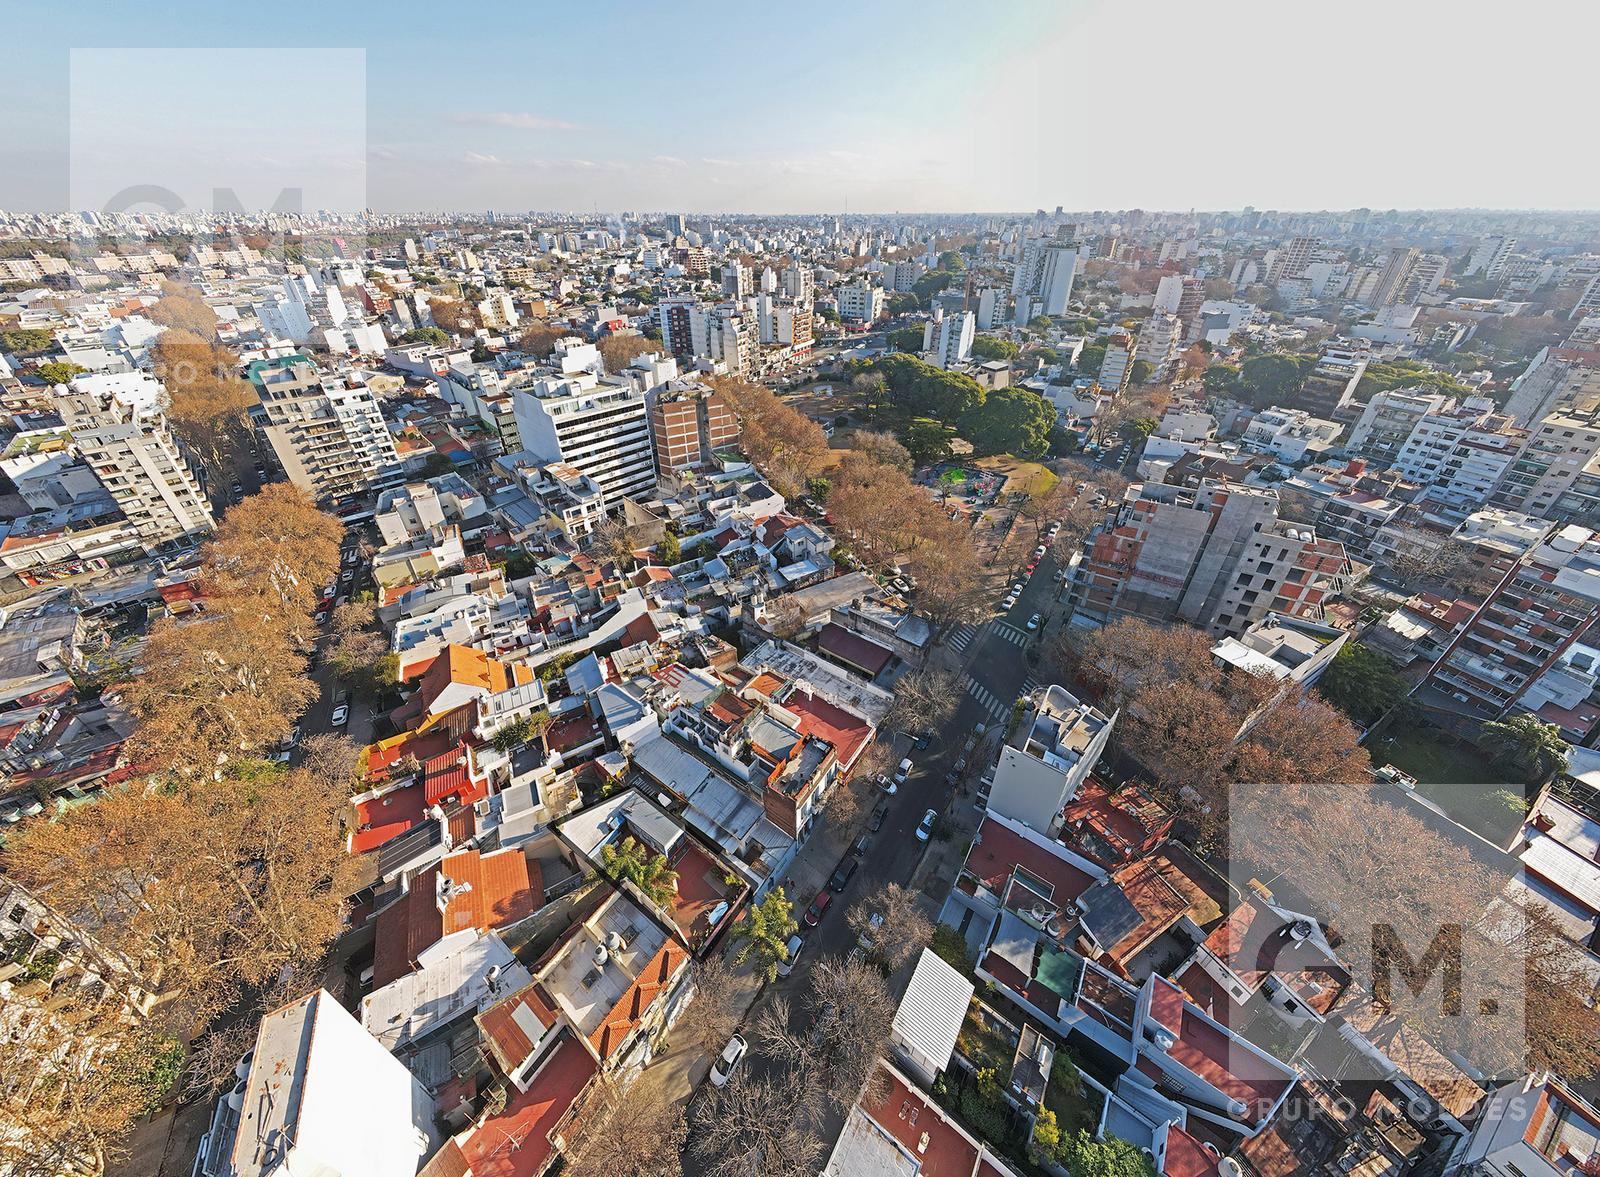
{"x":1160,"y":341}
{"x":119,"y":427}
{"x":1555,"y":454}
{"x":598,"y":426}
{"x":796,"y":283}
{"x":674,"y":226}
{"x":948,"y":339}
{"x":1216,"y":556}
{"x":689,"y":423}
{"x":1387,"y":420}
{"x":1042,"y":281}
{"x":1117,"y":366}
{"x":860,"y":302}
{"x":737,"y":280}
{"x":326,"y":430}
{"x":1556,"y":380}
{"x":1459,"y":454}
{"x":1291,"y":260}
{"x":1394,"y":277}
{"x":1546,"y":601}
{"x":1490,"y":255}
{"x":1332,"y":383}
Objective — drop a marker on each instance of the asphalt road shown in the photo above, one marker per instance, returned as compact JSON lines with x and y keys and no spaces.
{"x":319,"y":716}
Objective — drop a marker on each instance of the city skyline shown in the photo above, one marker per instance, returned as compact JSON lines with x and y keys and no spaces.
{"x":897,"y":107}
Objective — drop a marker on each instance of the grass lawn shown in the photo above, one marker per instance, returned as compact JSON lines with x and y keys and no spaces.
{"x":1455,"y":776}
{"x":1024,"y":476}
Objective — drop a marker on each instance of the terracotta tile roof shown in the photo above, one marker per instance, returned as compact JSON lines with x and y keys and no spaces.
{"x":503,"y":888}
{"x":529,"y":1117}
{"x":630,"y":1009}
{"x":507,"y":1040}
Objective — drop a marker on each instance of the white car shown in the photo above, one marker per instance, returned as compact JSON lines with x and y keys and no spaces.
{"x":340,"y":716}
{"x":1038,"y":552}
{"x":925,"y":830}
{"x":732,"y":1055}
{"x":903,"y":772}
{"x":792,"y":957}
{"x":1033,"y":623}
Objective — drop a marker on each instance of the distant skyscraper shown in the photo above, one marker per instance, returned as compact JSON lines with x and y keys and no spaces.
{"x":1490,"y":255}
{"x":1394,"y":276}
{"x":674,"y":224}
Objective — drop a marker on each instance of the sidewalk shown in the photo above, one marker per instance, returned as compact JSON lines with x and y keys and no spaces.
{"x":683,"y":1066}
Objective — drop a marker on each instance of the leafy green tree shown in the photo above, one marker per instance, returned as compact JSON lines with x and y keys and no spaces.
{"x":952,"y":261}
{"x":764,"y":933}
{"x":1221,"y":379}
{"x":818,"y":487}
{"x":25,"y":340}
{"x":1272,"y":379}
{"x":1139,"y":371}
{"x":668,"y":550}
{"x":59,"y":371}
{"x":642,"y":867}
{"x":1040,"y":323}
{"x":903,"y":302}
{"x":425,"y":335}
{"x":1010,"y":420}
{"x":926,"y":441}
{"x":1524,"y":746}
{"x":1362,"y":683}
{"x":1084,"y":1156}
{"x":1139,"y":428}
{"x":987,"y":347}
{"x":907,"y":339}
{"x":931,"y":284}
{"x":522,"y":730}
{"x":1091,"y":357}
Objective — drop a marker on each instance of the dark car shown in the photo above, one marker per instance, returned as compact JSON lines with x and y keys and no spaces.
{"x":818,"y":908}
{"x":879,"y":816}
{"x":842,"y":875}
{"x":862,"y":843}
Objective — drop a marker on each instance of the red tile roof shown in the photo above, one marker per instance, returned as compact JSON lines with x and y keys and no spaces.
{"x":908,"y":1116}
{"x":507,"y":1040}
{"x":1221,"y":1061}
{"x":516,"y":1141}
{"x":846,"y":732}
{"x":629,"y":1011}
{"x":503,"y":888}
{"x":1186,"y":1156}
{"x":999,"y":850}
{"x":852,"y":649}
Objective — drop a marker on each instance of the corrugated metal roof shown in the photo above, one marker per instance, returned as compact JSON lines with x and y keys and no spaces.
{"x":930,"y":1014}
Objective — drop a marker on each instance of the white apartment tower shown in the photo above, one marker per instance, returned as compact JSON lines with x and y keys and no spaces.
{"x":326,"y":431}
{"x":119,"y":427}
{"x":599,"y":427}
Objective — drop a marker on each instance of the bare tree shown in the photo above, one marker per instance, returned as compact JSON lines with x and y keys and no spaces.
{"x":903,"y":930}
{"x":758,"y":1128}
{"x":712,"y":1016}
{"x":924,"y":700}
{"x":851,"y":1011}
{"x":635,"y":1130}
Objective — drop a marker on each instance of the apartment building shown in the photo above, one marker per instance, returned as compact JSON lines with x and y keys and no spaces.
{"x":120,"y":430}
{"x":1395,"y":277}
{"x":1047,"y":760}
{"x":598,"y":426}
{"x":1160,"y":341}
{"x":1387,"y":421}
{"x":1460,"y":454}
{"x":1556,"y":453}
{"x":689,"y":423}
{"x":1332,"y":383}
{"x":326,"y":431}
{"x":1042,"y":281}
{"x":1556,"y":379}
{"x":1290,"y":435}
{"x":1546,"y":602}
{"x":860,"y":302}
{"x":1216,"y":556}
{"x":1116,"y":367}
{"x":947,"y":338}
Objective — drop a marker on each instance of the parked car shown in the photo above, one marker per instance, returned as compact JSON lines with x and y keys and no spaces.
{"x":732,"y":1055}
{"x":818,"y":908}
{"x":879,"y":816}
{"x":294,"y":736}
{"x":843,"y":873}
{"x":903,"y":773}
{"x":862,"y":844}
{"x":869,"y":934}
{"x":886,"y":784}
{"x":1033,"y":623}
{"x":786,"y":965}
{"x":1039,"y":551}
{"x":925,"y":830}
{"x":340,"y":716}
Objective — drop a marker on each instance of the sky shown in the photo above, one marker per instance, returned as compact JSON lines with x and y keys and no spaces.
{"x":870,"y":106}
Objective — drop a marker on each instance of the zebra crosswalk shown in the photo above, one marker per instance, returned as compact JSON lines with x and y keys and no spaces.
{"x":1030,"y":685}
{"x":988,"y":700}
{"x":1007,"y":632}
{"x":962,"y":638}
